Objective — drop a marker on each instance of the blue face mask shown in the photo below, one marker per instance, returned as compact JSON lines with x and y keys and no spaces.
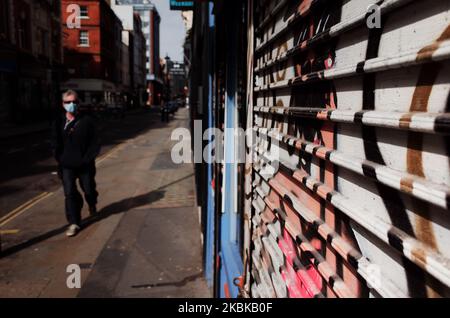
{"x":71,"y":107}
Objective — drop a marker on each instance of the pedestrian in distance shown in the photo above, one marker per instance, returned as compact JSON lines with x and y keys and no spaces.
{"x":165,"y":112}
{"x":76,"y":145}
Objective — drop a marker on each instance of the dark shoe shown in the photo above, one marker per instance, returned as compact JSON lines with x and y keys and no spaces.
{"x":92,"y":211}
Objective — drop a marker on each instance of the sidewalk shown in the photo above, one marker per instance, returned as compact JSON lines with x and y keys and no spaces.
{"x":145,"y":242}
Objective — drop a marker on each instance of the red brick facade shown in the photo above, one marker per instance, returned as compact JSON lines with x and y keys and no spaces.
{"x":101,"y":57}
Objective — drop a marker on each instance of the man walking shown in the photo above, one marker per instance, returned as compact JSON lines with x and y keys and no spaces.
{"x":76,"y":146}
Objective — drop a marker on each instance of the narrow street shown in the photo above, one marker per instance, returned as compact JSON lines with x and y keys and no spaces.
{"x":145,"y":241}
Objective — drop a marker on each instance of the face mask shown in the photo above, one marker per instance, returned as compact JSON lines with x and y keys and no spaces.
{"x":71,"y":107}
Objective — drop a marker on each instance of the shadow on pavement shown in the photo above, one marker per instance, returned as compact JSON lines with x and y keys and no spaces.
{"x":180,"y":283}
{"x":121,"y":206}
{"x":31,"y":168}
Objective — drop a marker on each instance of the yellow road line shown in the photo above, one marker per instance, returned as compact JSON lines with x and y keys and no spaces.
{"x":8,"y":232}
{"x":110,"y":153}
{"x":27,"y":205}
{"x":24,"y":207}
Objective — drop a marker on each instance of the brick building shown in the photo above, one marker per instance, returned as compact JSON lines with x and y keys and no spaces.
{"x":30,"y":59}
{"x":93,"y":52}
{"x":133,"y":68}
{"x":154,"y":75}
{"x":151,"y":29}
{"x":175,"y":79}
{"x":139,"y":60}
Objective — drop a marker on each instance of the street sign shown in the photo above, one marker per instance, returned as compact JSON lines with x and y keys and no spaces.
{"x":181,"y":5}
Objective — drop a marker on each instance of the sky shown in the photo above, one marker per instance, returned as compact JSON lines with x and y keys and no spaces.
{"x":172,"y":31}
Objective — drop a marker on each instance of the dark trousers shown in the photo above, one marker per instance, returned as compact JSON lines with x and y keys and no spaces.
{"x":74,"y":200}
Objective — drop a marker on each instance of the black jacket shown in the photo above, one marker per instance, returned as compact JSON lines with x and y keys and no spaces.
{"x":77,"y":145}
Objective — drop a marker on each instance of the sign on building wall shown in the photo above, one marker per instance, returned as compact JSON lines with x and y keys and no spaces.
{"x":181,"y":5}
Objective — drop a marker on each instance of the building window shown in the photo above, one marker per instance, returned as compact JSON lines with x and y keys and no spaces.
{"x":84,"y":14}
{"x":84,"y":38}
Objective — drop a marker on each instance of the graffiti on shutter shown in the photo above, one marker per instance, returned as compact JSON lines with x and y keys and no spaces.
{"x":356,"y":203}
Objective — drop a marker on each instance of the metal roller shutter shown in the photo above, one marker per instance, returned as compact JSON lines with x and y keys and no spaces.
{"x":350,"y":185}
